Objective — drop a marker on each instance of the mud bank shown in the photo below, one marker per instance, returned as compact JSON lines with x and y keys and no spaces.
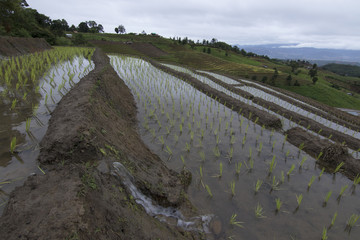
{"x":264,"y":118}
{"x":80,"y":197}
{"x":13,"y":46}
{"x":331,"y":154}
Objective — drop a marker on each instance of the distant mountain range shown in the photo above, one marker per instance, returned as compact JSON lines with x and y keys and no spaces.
{"x":321,"y":56}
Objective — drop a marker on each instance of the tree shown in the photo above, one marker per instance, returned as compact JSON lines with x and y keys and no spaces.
{"x":274,"y":77}
{"x":313,"y":73}
{"x":121,"y":29}
{"x":116,"y":30}
{"x":100,"y":28}
{"x":314,"y":79}
{"x":83,"y":27}
{"x":58,"y":27}
{"x":288,"y":80}
{"x":209,"y":50}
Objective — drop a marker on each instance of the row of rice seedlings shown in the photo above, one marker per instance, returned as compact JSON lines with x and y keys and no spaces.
{"x":24,"y":72}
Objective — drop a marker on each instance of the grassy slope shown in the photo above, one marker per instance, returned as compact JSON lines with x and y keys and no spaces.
{"x":239,"y":66}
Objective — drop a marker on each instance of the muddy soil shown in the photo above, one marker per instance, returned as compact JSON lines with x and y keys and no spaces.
{"x":13,"y":46}
{"x":263,"y":117}
{"x":78,"y":197}
{"x":332,"y":154}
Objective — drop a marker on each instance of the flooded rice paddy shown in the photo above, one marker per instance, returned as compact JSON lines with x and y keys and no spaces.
{"x":256,"y":184}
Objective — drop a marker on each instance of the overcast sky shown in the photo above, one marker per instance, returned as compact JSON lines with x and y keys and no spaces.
{"x":311,"y":23}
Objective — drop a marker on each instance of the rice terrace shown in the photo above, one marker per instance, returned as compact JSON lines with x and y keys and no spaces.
{"x":137,"y":136}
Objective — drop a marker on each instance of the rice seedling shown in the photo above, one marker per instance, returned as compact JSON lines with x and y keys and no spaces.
{"x":232,"y":140}
{"x":324,"y":235}
{"x":333,"y":220}
{"x":187,"y":147}
{"x":216,"y":152}
{"x":259,"y":211}
{"x":13,"y":104}
{"x":299,"y":199}
{"x":273,"y":146}
{"x":27,"y":125}
{"x":258,"y":185}
{"x":287,"y":153}
{"x":208,"y":190}
{"x":327,"y":197}
{"x":301,"y":146}
{"x":303,"y":161}
{"x":356,"y":180}
{"x":220,"y":170}
{"x":43,"y":172}
{"x":282,"y":177}
{"x":342,"y":190}
{"x":202,"y":156}
{"x":13,"y":145}
{"x":232,"y":187}
{"x":162,"y":141}
{"x":244,"y":140}
{"x":230,"y":154}
{"x":322,"y":172}
{"x":168,"y":150}
{"x":272,"y":164}
{"x":351,"y":221}
{"x":260,"y":147}
{"x":182,"y":160}
{"x":278,"y":204}
{"x":319,"y":156}
{"x":238,"y":168}
{"x":234,"y":222}
{"x":290,"y":170}
{"x":275,"y":184}
{"x":312,"y":179}
{"x":338,"y":167}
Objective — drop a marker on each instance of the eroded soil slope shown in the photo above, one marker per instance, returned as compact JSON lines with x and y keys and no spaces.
{"x":13,"y":46}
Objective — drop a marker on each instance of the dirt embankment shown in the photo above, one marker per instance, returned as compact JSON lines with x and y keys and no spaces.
{"x":13,"y":46}
{"x":93,"y":126}
{"x":329,"y":154}
{"x":254,"y":114}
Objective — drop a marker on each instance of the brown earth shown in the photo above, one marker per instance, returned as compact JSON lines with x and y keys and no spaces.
{"x":93,"y":126}
{"x":132,"y":48}
{"x":332,"y":154}
{"x":13,"y":46}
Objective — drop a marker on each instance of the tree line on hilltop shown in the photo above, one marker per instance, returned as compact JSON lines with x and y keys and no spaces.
{"x":17,"y":19}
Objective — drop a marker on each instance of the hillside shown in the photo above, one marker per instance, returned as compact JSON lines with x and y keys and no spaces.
{"x":331,"y":89}
{"x":343,"y":69}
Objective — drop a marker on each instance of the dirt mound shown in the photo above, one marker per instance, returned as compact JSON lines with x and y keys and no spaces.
{"x":13,"y":46}
{"x":93,"y":126}
{"x":329,"y":154}
{"x":148,"y":49}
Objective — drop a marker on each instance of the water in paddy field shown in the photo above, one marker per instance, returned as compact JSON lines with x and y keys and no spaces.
{"x":32,"y":112}
{"x":228,"y":155}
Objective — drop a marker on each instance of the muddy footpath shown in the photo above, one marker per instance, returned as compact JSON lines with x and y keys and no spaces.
{"x":83,"y":194}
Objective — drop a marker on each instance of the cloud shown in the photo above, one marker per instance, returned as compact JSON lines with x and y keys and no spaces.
{"x":320,"y":23}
